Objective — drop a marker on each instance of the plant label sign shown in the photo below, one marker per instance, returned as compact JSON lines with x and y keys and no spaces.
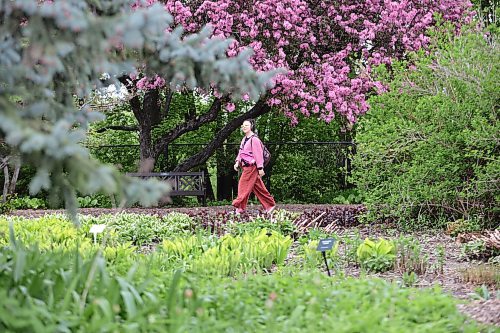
{"x":96,"y":229}
{"x":325,"y":244}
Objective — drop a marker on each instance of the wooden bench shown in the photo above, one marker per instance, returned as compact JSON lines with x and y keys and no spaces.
{"x":182,"y":183}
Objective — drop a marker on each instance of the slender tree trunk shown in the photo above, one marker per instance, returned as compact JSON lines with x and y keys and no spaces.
{"x":15,"y":176}
{"x":6,"y":176}
{"x":224,"y":158}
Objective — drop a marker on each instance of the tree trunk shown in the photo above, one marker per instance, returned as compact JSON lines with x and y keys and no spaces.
{"x":6,"y":176}
{"x":202,"y":156}
{"x":225,"y":185}
{"x":15,"y":176}
{"x":148,"y":116}
{"x":224,"y":159}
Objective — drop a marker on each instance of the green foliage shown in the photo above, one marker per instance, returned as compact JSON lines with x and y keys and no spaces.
{"x":179,"y":222}
{"x":114,"y":289}
{"x":14,"y":202}
{"x":125,"y":159}
{"x":87,"y":202}
{"x":348,"y":197}
{"x":230,"y":254}
{"x":142,"y":229}
{"x":315,"y":258}
{"x":299,"y":303}
{"x":410,"y":257}
{"x":62,"y":292}
{"x":483,"y":293}
{"x":440,"y":255}
{"x":475,"y":250}
{"x":95,"y":200}
{"x":49,"y":231}
{"x":282,"y":222}
{"x":350,"y":243}
{"x":53,"y":231}
{"x":463,"y":226}
{"x":409,"y":279}
{"x":427,"y":151}
{"x":298,"y":171}
{"x":376,"y":256}
{"x":28,"y":203}
{"x":305,"y":173}
{"x":313,"y":234}
{"x":7,"y":206}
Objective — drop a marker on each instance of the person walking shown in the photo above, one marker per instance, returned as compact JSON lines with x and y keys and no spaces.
{"x":251,"y":159}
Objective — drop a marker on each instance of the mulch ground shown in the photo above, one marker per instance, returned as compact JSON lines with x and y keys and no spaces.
{"x":450,"y":280}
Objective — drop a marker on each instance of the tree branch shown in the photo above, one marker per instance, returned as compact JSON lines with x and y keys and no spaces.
{"x":4,"y":161}
{"x":201,"y":157}
{"x":117,"y":128}
{"x":168,"y":100}
{"x":188,"y":126}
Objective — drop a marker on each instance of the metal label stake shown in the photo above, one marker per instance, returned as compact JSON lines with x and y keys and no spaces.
{"x":325,"y":245}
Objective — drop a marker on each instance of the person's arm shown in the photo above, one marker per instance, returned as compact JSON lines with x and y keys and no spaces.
{"x":258,"y":155}
{"x":237,"y":161}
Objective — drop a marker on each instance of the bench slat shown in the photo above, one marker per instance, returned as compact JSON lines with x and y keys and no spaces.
{"x":183,"y":183}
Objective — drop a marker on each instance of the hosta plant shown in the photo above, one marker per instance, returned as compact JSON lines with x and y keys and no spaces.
{"x":228,"y":255}
{"x":376,"y":256}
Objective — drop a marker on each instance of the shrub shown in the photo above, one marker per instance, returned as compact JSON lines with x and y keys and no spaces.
{"x":462,"y":226}
{"x":94,"y":201}
{"x":14,"y":202}
{"x":428,"y":149}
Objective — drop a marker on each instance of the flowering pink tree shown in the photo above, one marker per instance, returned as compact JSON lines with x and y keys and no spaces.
{"x":328,"y":49}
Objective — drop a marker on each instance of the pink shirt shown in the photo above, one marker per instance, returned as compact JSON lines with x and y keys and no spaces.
{"x":251,"y":152}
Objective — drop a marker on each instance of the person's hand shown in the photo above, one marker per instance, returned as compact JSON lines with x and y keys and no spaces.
{"x":236,"y":166}
{"x":261,"y":173}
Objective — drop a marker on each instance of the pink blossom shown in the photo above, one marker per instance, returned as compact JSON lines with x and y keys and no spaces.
{"x":230,"y":107}
{"x":315,"y":42}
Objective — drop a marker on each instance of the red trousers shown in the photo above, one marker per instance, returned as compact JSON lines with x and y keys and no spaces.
{"x":250,"y":181}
